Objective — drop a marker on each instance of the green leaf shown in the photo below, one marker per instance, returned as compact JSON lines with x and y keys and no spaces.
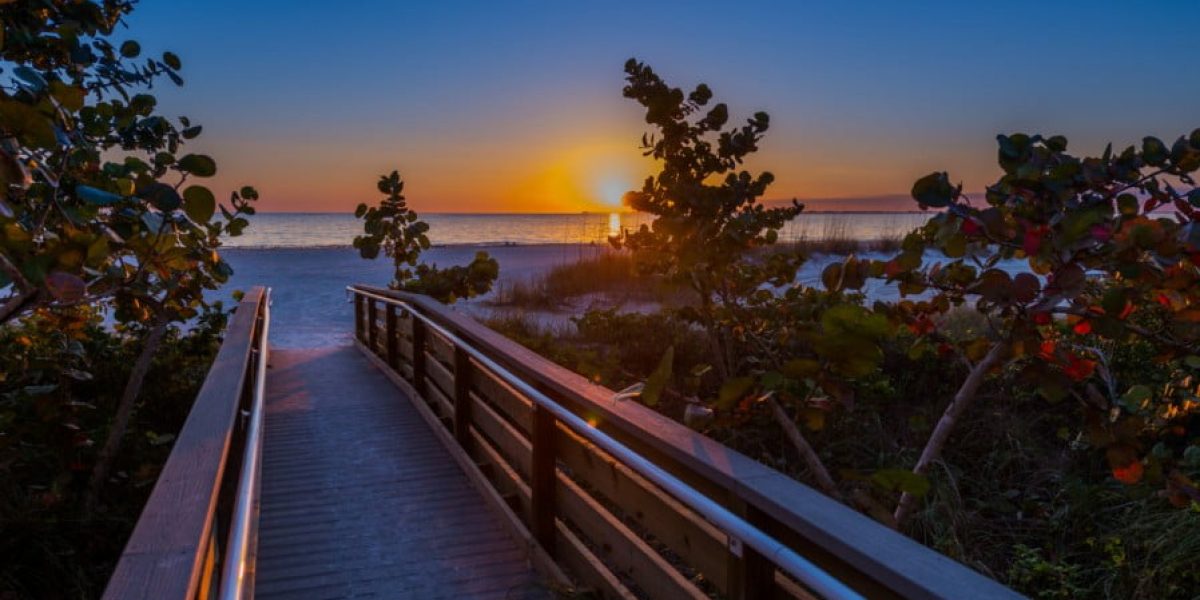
{"x":32,"y":78}
{"x":800,"y":368}
{"x":1133,"y":398}
{"x":236,"y":226}
{"x":130,"y":49}
{"x":1127,"y":204}
{"x":96,"y":196}
{"x":161,"y":196}
{"x":1154,"y":151}
{"x":831,"y":277}
{"x":198,"y":165}
{"x":199,"y":203}
{"x":171,"y":60}
{"x":934,"y":190}
{"x":657,"y":382}
{"x":901,"y":480}
{"x":733,"y":390}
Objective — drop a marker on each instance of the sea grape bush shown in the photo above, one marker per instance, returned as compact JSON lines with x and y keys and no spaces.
{"x":1112,"y":246}
{"x":706,"y":207}
{"x":397,"y":231}
{"x":1112,"y":249}
{"x":790,"y":350}
{"x":85,"y":215}
{"x":98,"y":203}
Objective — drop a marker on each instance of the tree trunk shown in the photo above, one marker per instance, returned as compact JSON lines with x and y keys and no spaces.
{"x":24,"y":293}
{"x":133,"y":388}
{"x":941,"y":433}
{"x":16,"y":305}
{"x":809,"y":455}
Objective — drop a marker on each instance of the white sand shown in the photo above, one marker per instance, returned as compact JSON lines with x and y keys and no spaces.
{"x":311,"y":307}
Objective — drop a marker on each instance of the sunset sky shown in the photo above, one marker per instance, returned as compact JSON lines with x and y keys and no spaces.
{"x":517,"y":107}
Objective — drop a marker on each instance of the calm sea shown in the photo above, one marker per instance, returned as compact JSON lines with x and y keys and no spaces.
{"x":334,"y":230}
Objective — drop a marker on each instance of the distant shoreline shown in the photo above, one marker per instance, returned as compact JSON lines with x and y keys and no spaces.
{"x":452,"y":245}
{"x":570,"y":214}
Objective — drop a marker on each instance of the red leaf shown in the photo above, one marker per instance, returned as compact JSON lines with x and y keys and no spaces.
{"x":1125,"y":312}
{"x":1033,"y":241}
{"x":1130,"y":473}
{"x":1083,"y":327}
{"x":1079,"y":369}
{"x":65,"y":287}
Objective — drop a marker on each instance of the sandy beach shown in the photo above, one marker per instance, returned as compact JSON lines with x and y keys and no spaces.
{"x":312,"y":309}
{"x":308,"y":284}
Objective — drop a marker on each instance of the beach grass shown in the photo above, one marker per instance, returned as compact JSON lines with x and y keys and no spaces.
{"x":612,"y":274}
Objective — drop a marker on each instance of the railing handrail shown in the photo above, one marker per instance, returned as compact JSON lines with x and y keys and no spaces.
{"x":875,"y":558}
{"x":173,"y":552}
{"x":786,"y":559}
{"x":244,"y":521}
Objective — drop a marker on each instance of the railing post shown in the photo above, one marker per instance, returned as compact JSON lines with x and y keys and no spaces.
{"x":462,"y":397}
{"x":751,"y":575}
{"x":390,"y":340}
{"x":372,"y":326}
{"x":418,"y":359}
{"x":543,"y":477}
{"x":358,"y":316}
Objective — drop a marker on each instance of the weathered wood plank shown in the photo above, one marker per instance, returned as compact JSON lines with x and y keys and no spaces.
{"x":326,"y":410}
{"x":516,"y":408}
{"x":441,"y":348}
{"x":620,"y":547}
{"x":514,"y":447}
{"x":580,"y":559}
{"x":572,"y":551}
{"x":163,"y":556}
{"x":513,"y":524}
{"x":439,"y":375}
{"x":693,"y":539}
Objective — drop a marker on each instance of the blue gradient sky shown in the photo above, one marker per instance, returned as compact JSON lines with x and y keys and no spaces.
{"x":516,"y":106}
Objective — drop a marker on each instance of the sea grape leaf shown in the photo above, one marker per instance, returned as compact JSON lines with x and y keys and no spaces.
{"x":901,"y":480}
{"x":198,"y":165}
{"x":65,"y":287}
{"x":657,"y":382}
{"x":934,"y":191}
{"x":199,"y":203}
{"x":733,"y":390}
{"x":96,"y":196}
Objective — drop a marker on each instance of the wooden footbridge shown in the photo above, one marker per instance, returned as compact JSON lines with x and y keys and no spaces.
{"x":437,"y":459}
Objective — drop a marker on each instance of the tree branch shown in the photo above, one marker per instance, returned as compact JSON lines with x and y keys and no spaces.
{"x":824,"y":480}
{"x":966,"y":394}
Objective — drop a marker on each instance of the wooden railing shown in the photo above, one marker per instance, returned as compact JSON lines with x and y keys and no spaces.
{"x":602,"y":521}
{"x":194,"y":538}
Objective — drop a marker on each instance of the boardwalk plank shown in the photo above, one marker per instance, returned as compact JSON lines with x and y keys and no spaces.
{"x":360,"y":499}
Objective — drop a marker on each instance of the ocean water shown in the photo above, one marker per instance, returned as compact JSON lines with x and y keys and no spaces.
{"x":335,"y":230}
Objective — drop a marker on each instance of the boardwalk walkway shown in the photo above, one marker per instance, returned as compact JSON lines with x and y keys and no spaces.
{"x":359,"y":498}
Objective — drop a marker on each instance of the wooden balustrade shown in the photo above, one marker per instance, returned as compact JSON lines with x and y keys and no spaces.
{"x":611,"y":529}
{"x":178,"y":545}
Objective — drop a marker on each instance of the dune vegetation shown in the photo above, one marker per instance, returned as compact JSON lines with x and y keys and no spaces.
{"x":1042,"y":427}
